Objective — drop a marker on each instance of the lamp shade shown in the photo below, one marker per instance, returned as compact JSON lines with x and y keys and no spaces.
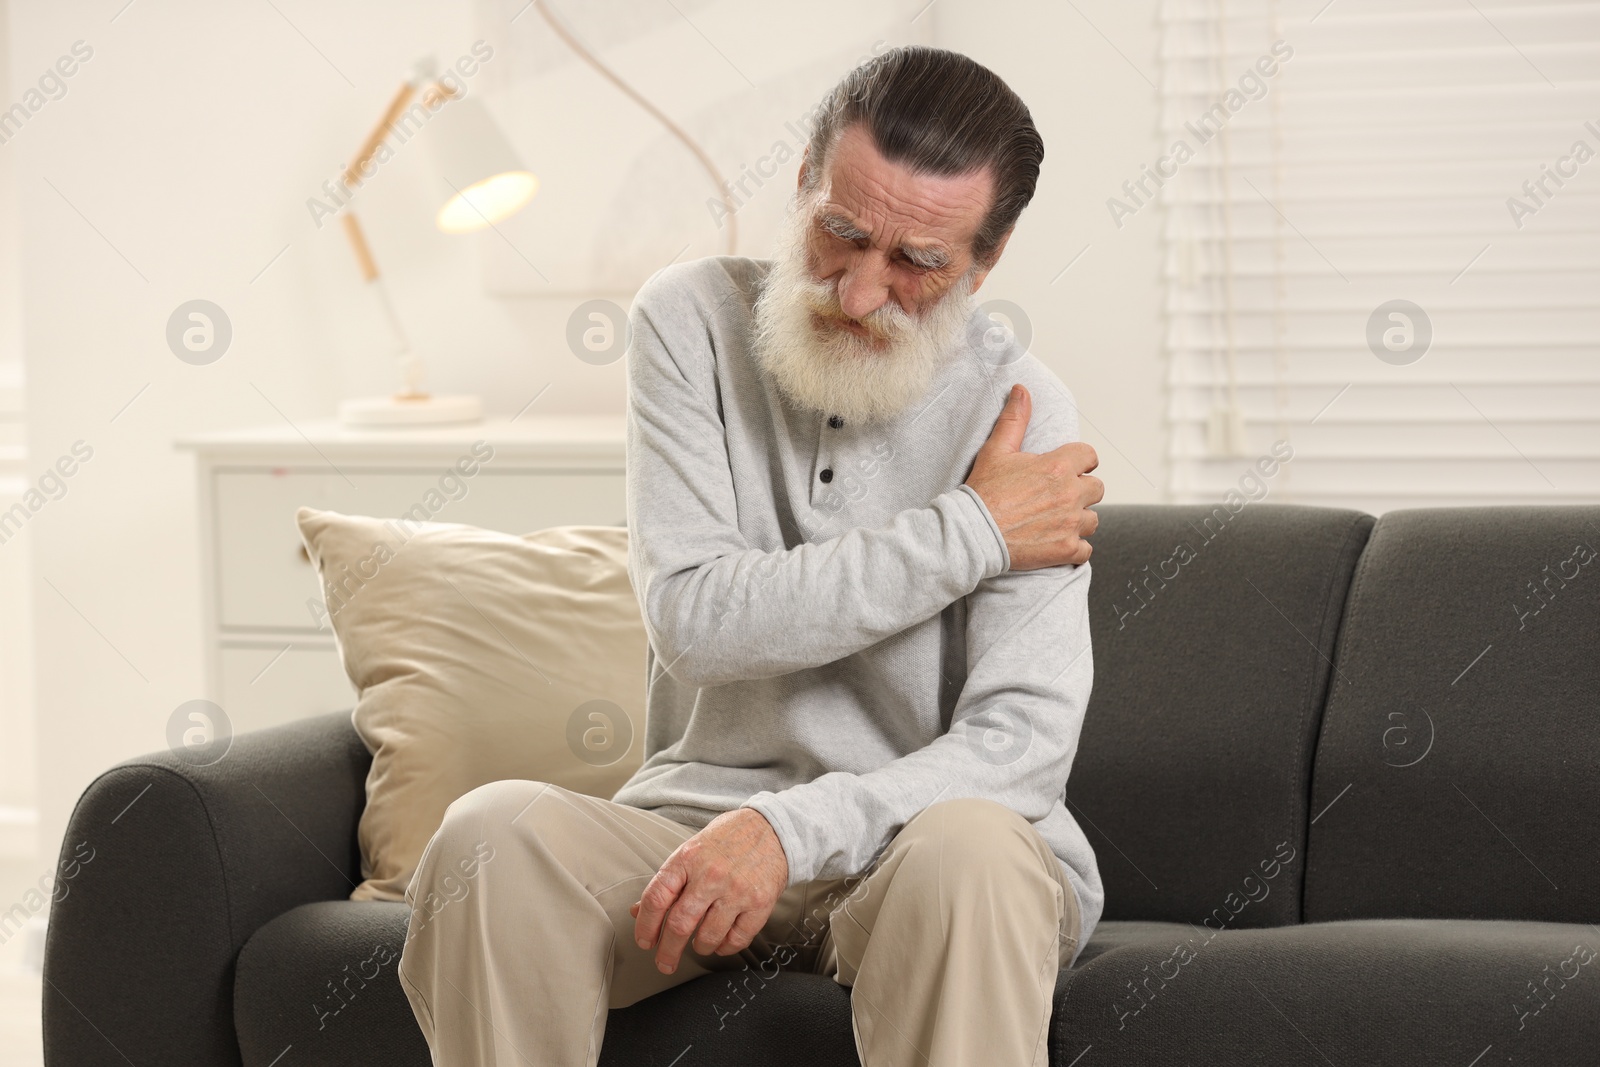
{"x":487,"y":180}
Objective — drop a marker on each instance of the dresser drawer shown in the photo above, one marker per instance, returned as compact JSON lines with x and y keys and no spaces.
{"x":263,"y":579}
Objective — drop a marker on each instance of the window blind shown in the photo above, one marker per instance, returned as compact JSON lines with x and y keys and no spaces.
{"x":1379,"y":240}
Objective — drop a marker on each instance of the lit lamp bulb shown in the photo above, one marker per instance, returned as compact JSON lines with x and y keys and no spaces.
{"x":486,"y":179}
{"x":487,"y":202}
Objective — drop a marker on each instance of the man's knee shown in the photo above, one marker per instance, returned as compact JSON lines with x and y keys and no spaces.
{"x":969,"y":816}
{"x":498,"y":802}
{"x":980,"y":834}
{"x":476,"y":826}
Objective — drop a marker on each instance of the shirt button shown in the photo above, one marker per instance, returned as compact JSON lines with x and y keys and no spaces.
{"x":827,"y":474}
{"x":835,"y":421}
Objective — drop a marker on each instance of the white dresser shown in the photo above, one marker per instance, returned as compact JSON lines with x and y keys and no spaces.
{"x":267,"y":662}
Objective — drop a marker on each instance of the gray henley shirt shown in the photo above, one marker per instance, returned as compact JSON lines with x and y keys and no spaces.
{"x":836,"y":638}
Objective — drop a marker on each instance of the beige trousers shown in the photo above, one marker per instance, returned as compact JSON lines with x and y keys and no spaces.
{"x":521,"y":940}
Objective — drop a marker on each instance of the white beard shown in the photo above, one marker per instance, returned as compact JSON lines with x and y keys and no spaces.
{"x":833,"y":371}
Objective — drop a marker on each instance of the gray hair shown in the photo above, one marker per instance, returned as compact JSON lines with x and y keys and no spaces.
{"x":938,"y":112}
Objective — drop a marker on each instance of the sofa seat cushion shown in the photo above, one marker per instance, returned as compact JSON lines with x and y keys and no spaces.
{"x":1120,"y":933}
{"x":1345,"y":992}
{"x":321,"y":981}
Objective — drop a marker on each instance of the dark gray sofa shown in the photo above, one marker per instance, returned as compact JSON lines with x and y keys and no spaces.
{"x":1341,"y":777}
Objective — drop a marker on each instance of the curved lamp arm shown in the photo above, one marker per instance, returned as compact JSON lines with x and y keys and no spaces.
{"x":676,"y":130}
{"x":363,"y":156}
{"x":411,"y":368}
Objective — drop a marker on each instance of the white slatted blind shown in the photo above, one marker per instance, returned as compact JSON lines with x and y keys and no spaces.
{"x":1375,"y":165}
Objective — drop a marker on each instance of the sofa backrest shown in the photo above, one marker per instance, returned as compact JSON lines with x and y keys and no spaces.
{"x":1213,"y":634}
{"x":1457,"y":772}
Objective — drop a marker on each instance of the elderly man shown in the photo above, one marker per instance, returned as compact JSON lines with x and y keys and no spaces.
{"x":856,"y":514}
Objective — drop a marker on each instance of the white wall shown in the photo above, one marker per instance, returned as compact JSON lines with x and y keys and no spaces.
{"x":17,"y":764}
{"x":1098,"y":325}
{"x":177,"y":166}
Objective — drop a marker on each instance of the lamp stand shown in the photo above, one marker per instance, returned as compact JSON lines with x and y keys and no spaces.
{"x":411,"y":405}
{"x":402,"y":409}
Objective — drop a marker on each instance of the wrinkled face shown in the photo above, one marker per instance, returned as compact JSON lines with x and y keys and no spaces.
{"x":870,"y":288}
{"x":883,"y":234}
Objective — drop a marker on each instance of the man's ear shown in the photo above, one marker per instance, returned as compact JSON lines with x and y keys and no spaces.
{"x":800,"y":177}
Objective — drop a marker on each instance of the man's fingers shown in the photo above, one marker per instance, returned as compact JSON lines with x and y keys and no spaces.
{"x":658,"y":896}
{"x":679,"y":925}
{"x":1012,"y":424}
{"x":714,"y":927}
{"x":1095,"y":487}
{"x":744,"y":931}
{"x":1079,"y":455}
{"x":1091,"y":522}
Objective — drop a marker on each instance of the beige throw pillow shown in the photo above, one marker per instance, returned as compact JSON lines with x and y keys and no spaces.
{"x":478,"y":656}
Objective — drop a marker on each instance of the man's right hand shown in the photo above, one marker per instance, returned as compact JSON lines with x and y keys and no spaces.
{"x":1041,"y":502}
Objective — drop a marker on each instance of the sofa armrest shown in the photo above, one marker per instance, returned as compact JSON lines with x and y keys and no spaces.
{"x":167,"y":869}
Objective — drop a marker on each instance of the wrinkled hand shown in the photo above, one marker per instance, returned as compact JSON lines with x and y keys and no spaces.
{"x":1041,"y":502}
{"x":725,"y":880}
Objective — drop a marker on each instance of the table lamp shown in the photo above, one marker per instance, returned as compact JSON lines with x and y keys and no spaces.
{"x":487,"y":183}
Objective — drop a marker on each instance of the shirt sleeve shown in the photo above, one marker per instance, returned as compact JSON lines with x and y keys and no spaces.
{"x":717,"y":610}
{"x":1013,"y":735}
{"x":1014,"y":731}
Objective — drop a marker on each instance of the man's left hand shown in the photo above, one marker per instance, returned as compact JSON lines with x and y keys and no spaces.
{"x":730,"y":875}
